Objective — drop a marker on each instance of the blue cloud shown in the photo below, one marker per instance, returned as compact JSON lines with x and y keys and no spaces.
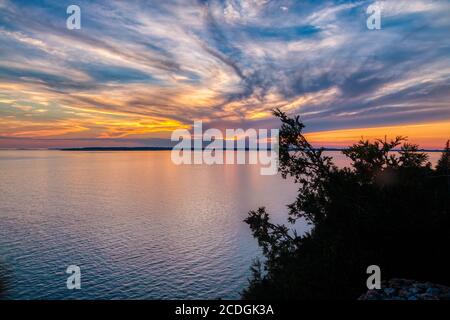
{"x":249,"y":55}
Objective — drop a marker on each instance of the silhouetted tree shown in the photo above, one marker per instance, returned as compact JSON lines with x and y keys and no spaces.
{"x":443,"y":166}
{"x":444,"y":162}
{"x":386,"y":209}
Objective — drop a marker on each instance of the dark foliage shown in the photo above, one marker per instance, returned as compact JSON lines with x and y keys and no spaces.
{"x":389,"y":208}
{"x":443,"y":166}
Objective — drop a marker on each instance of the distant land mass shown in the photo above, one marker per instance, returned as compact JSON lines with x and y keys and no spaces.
{"x":115,"y":149}
{"x":170,"y":148}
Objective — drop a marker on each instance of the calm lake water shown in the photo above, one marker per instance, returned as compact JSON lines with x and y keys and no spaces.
{"x":139,"y":226}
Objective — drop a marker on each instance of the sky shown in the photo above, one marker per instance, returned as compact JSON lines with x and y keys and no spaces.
{"x":137,"y":70}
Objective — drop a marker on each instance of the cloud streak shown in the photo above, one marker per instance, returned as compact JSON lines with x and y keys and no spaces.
{"x":139,"y":69}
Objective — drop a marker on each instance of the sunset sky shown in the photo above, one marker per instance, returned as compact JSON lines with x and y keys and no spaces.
{"x":137,"y":70}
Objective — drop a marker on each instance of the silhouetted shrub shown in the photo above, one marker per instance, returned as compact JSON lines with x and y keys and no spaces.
{"x":389,"y":208}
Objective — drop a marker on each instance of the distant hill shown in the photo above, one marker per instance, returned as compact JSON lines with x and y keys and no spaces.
{"x":170,"y":148}
{"x":116,"y":149}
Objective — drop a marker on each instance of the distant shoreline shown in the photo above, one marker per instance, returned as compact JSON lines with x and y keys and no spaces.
{"x":163,"y":149}
{"x":170,"y":148}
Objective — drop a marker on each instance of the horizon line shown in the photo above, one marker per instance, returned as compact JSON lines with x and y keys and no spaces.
{"x":167,"y":148}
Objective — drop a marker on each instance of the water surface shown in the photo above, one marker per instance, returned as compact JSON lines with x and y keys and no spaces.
{"x":139,"y":226}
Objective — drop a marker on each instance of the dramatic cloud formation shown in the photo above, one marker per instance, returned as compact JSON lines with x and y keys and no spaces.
{"x":139,"y":69}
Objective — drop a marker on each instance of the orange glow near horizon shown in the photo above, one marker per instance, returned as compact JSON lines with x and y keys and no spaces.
{"x":432,"y":135}
{"x":136,"y":73}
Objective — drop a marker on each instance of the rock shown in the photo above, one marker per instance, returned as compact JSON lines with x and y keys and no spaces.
{"x":389,"y":291}
{"x":413,"y":290}
{"x":445,"y":296}
{"x":404,"y":289}
{"x":404,"y":293}
{"x":426,"y":296}
{"x":433,"y":291}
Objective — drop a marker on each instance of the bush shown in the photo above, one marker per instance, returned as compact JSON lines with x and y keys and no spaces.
{"x":389,"y":209}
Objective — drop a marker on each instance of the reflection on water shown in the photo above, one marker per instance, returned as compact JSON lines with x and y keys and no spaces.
{"x":137,"y":225}
{"x":3,"y":282}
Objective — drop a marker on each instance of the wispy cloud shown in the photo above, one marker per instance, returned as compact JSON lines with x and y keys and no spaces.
{"x":139,"y":69}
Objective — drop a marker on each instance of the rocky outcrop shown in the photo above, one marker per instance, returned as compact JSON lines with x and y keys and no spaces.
{"x":403,"y":289}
